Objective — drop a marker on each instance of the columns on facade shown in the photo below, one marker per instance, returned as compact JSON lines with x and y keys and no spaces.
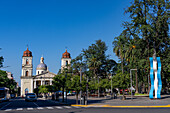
{"x":32,"y":89}
{"x":44,"y":82}
{"x":41,"y":82}
{"x":50,"y":82}
{"x":35,"y":85}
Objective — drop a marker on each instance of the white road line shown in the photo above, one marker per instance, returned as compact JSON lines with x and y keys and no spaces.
{"x":5,"y":105}
{"x":40,"y":108}
{"x":8,"y":109}
{"x":29,"y":108}
{"x":68,"y":107}
{"x":19,"y":109}
{"x":36,"y":104}
{"x":59,"y":107}
{"x":49,"y":107}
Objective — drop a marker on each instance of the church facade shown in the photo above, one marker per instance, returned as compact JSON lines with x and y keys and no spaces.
{"x":43,"y":76}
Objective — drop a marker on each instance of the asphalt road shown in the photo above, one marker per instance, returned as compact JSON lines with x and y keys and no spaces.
{"x":46,"y":106}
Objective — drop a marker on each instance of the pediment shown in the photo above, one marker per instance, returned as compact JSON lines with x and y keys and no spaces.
{"x":45,"y":75}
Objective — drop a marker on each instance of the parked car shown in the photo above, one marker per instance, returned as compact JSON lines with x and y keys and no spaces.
{"x":30,"y":97}
{"x":71,"y":93}
{"x":12,"y":95}
{"x":4,"y":94}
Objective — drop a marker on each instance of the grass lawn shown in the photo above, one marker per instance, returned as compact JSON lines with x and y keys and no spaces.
{"x":138,"y":94}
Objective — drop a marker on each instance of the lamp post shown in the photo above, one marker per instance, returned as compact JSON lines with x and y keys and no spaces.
{"x":80,"y":85}
{"x":131,"y":81}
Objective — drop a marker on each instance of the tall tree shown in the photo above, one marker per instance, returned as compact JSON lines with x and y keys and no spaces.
{"x":1,"y":60}
{"x":150,"y":21}
{"x":96,"y":57}
{"x":76,"y":86}
{"x":121,"y":81}
{"x":119,"y":48}
{"x":59,"y":81}
{"x":148,"y":30}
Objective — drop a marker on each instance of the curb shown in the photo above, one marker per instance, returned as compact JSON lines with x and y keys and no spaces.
{"x":109,"y":106}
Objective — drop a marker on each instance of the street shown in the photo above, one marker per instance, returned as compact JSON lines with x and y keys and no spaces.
{"x":19,"y":105}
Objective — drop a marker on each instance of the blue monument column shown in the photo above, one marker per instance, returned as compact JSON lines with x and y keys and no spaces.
{"x":155,"y":76}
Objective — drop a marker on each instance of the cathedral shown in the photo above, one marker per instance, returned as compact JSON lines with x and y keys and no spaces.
{"x":43,"y":76}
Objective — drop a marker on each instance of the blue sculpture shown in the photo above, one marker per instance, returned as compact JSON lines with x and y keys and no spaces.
{"x":156,"y":83}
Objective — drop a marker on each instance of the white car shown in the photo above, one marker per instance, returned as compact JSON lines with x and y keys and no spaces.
{"x":30,"y":97}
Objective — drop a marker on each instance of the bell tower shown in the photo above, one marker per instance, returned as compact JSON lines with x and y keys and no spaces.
{"x":27,"y":72}
{"x":66,"y":60}
{"x":27,"y":64}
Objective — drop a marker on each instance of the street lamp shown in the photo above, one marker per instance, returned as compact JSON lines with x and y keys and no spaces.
{"x":131,"y":80}
{"x":80,"y":85}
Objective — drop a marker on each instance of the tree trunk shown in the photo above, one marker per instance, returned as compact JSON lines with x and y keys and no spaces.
{"x":77,"y":98}
{"x":148,"y":68}
{"x":136,"y":82}
{"x":122,"y":65}
{"x":63,"y":93}
{"x":123,"y":95}
{"x":98,"y":89}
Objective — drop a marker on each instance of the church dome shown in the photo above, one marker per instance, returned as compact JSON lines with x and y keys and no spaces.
{"x":66,"y":55}
{"x":42,"y":65}
{"x":27,"y":53}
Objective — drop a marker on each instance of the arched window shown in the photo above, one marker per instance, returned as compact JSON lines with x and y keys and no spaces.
{"x":26,"y":73}
{"x":27,"y":62}
{"x":38,"y":72}
{"x":42,"y":72}
{"x":66,"y":63}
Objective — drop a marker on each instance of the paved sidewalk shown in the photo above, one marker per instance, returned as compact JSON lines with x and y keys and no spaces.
{"x":138,"y":101}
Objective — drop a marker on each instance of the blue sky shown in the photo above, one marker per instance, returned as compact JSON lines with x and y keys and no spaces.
{"x":48,"y":26}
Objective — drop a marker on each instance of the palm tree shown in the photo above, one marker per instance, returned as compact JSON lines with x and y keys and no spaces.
{"x":119,"y":49}
{"x":94,"y":65}
{"x":130,"y":56}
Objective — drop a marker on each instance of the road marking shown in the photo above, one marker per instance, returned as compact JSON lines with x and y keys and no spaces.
{"x":159,"y":106}
{"x":59,"y":107}
{"x":36,"y":104}
{"x":19,"y":109}
{"x":40,"y":108}
{"x":5,"y":105}
{"x":8,"y":109}
{"x":49,"y":107}
{"x":68,"y":107}
{"x":29,"y":108}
